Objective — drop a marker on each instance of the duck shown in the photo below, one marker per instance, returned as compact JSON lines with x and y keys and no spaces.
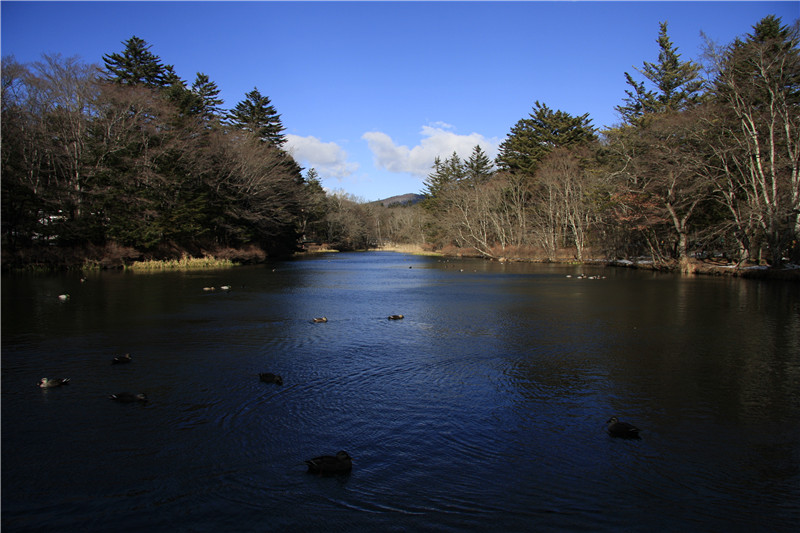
{"x":269,"y":377}
{"x":621,"y":429}
{"x":396,"y":317}
{"x":319,"y":320}
{"x":328,"y":465}
{"x":121,"y":359}
{"x":129,"y":397}
{"x":63,"y":297}
{"x":207,"y":289}
{"x":49,"y":383}
{"x":225,"y":288}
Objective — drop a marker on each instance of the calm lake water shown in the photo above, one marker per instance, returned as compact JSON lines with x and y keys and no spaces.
{"x":484,"y":409}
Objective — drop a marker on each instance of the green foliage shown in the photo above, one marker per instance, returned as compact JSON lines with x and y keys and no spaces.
{"x":255,"y":114}
{"x":533,"y":138}
{"x":208,"y":94}
{"x":444,"y":177}
{"x":136,"y":65}
{"x":478,"y":168}
{"x":677,"y":84}
{"x":138,"y":159}
{"x":312,"y":222}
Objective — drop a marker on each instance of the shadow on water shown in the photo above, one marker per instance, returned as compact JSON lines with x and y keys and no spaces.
{"x":483,"y":409}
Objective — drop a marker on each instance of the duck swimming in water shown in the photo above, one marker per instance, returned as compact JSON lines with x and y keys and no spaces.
{"x":621,"y":429}
{"x":121,"y":359}
{"x":129,"y":397}
{"x":396,"y":317}
{"x":269,"y":377}
{"x":320,"y":320}
{"x":49,"y":383}
{"x":328,"y":465}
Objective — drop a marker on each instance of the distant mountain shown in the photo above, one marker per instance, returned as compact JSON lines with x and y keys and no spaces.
{"x":403,"y":199}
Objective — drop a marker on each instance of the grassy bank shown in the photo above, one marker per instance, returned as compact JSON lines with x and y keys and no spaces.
{"x":112,"y":256}
{"x":413,"y":249}
{"x":184,"y":263}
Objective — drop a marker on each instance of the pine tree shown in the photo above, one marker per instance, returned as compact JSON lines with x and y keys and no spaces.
{"x":677,"y":84}
{"x":136,"y":65}
{"x":208,"y":93}
{"x":478,"y":168}
{"x":533,"y":138}
{"x":257,"y":115}
{"x":444,"y":176}
{"x":175,"y":90}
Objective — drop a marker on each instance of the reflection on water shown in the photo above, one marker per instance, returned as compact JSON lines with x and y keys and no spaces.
{"x":483,"y":409}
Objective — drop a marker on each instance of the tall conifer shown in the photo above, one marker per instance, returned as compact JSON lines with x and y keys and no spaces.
{"x":676,"y":84}
{"x":533,"y":138}
{"x":136,"y":65}
{"x":257,"y":115}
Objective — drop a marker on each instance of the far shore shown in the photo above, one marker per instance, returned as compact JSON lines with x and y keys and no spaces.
{"x":113,"y":257}
{"x":707,"y":267}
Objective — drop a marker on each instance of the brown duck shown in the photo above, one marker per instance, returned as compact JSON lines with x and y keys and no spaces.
{"x":269,"y":377}
{"x":623,"y":430}
{"x":49,"y":383}
{"x":129,"y":397}
{"x":329,"y":465}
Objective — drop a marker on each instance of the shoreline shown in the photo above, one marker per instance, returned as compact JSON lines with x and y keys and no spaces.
{"x":113,"y":257}
{"x":699,"y":267}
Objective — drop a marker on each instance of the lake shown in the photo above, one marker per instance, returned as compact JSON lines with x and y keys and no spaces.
{"x":483,"y":409}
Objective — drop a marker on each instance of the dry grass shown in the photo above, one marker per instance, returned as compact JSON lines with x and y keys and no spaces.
{"x":414,"y":249}
{"x":184,"y":263}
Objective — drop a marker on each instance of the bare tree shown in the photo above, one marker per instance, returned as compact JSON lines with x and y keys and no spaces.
{"x":65,"y":91}
{"x":565,"y":187}
{"x":758,"y":134}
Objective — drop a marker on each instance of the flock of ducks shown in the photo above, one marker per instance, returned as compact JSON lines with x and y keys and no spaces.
{"x":122,"y":397}
{"x":322,"y":319}
{"x":324,"y":465}
{"x":584,"y":276}
{"x":222,"y":288}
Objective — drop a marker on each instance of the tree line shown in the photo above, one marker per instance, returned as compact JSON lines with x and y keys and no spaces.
{"x":706,"y":159}
{"x":130,"y":154}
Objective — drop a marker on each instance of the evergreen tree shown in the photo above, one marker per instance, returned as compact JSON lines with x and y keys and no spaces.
{"x":533,"y":138}
{"x":313,"y":216}
{"x":208,"y":93}
{"x":186,"y":101}
{"x":257,"y":115}
{"x":444,"y":175}
{"x":677,"y":84}
{"x":478,"y":168}
{"x":136,"y":65}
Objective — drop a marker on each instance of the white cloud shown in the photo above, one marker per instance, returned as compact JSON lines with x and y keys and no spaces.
{"x":437,"y":140}
{"x":328,"y":158}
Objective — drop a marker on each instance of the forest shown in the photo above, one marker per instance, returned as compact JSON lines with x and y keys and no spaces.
{"x":102,"y":166}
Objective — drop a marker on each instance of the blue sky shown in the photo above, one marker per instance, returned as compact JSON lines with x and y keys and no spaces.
{"x":371,"y":92}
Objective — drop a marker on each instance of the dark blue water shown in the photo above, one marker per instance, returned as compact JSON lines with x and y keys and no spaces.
{"x":484,"y":409}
